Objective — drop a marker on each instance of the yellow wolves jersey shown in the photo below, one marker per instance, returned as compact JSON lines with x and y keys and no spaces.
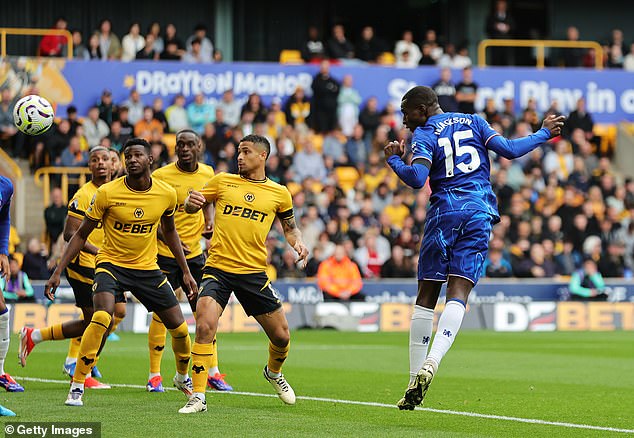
{"x":189,"y":226}
{"x":245,"y":211}
{"x":77,"y":208}
{"x":130,"y":220}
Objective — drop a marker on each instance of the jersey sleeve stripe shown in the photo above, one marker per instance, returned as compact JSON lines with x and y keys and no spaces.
{"x":169,"y":212}
{"x":490,"y":137}
{"x":428,"y":164}
{"x":286,"y":214}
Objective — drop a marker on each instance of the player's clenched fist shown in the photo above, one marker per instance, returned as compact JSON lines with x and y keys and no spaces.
{"x":554,"y":124}
{"x":194,"y":202}
{"x":394,"y":148}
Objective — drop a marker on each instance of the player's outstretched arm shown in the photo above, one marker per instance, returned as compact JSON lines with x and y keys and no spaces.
{"x":516,"y":148}
{"x":70,"y":228}
{"x":5,"y":229}
{"x":194,"y":202}
{"x":174,"y":243}
{"x":75,"y":245}
{"x":414,"y":175}
{"x":294,"y":238}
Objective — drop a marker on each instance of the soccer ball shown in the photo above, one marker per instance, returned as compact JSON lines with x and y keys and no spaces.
{"x":33,"y":115}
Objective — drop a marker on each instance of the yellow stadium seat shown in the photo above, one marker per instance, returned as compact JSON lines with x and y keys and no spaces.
{"x":607,"y":133}
{"x":347,"y":176}
{"x":387,"y":58}
{"x":170,"y":142}
{"x":293,"y":187}
{"x":291,"y":57}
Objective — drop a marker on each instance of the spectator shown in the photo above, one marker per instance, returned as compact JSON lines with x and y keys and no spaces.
{"x":35,"y":261}
{"x":427,"y":58}
{"x":372,"y":253}
{"x":435,"y":49}
{"x":79,"y":49}
{"x":339,"y":278}
{"x":195,"y":53}
{"x":157,"y":108}
{"x":17,"y":288}
{"x":206,"y":47}
{"x":171,"y":52}
{"x":466,"y":92}
{"x":572,"y":57}
{"x":117,"y":139}
{"x":297,"y":108}
{"x":462,"y":59}
{"x":148,"y":52}
{"x":308,"y":163}
{"x":500,"y":25}
{"x":348,"y":103}
{"x":568,"y":260}
{"x":127,"y":129}
{"x":496,"y":266}
{"x":446,"y":60}
{"x":109,"y":43}
{"x":54,"y":215}
{"x":94,"y":48}
{"x":148,"y":125}
{"x":628,"y":60}
{"x":57,"y":141}
{"x":446,"y":91}
{"x":357,"y":148}
{"x":338,"y":46}
{"x":176,"y":114}
{"x":132,"y":43}
{"x":288,"y":268}
{"x":398,"y":266}
{"x":172,"y":38}
{"x":612,"y":263}
{"x":324,"y":104}
{"x":369,"y":46}
{"x":407,"y":45}
{"x":370,"y":118}
{"x":134,"y":107}
{"x":587,"y":284}
{"x":53,"y":45}
{"x":313,"y":50}
{"x":559,"y":161}
{"x":155,"y":31}
{"x":579,"y":118}
{"x":95,"y":128}
{"x":333,"y":148}
{"x":200,"y":112}
{"x":107,"y":109}
{"x":73,"y":156}
{"x":231,"y":108}
{"x":537,"y":265}
{"x":397,"y":211}
{"x":254,"y":104}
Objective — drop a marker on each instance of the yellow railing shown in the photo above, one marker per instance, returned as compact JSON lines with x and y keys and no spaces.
{"x":69,"y":175}
{"x":16,"y":172}
{"x":4,"y":31}
{"x":540,"y":45}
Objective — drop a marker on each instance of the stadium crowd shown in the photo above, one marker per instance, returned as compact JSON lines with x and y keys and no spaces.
{"x":164,"y":43}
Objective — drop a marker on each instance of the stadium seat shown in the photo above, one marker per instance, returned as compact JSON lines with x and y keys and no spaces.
{"x":347,"y":176}
{"x":291,"y":57}
{"x":293,"y":187}
{"x":170,"y":142}
{"x":387,"y":58}
{"x":607,"y":133}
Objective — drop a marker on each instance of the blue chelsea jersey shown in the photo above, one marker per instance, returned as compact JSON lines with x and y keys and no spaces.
{"x":456,"y":146}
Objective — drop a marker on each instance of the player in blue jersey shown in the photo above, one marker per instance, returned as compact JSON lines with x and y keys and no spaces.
{"x":452,"y":149}
{"x":6,"y":381}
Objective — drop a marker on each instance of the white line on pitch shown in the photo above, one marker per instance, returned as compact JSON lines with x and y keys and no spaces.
{"x":374,"y":404}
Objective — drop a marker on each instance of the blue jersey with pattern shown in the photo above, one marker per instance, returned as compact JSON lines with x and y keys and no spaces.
{"x":456,"y":146}
{"x":6,"y":192}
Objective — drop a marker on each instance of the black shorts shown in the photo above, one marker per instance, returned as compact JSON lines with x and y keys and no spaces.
{"x":174,"y":274}
{"x":254,"y":291}
{"x":150,"y":287}
{"x":83,"y":290}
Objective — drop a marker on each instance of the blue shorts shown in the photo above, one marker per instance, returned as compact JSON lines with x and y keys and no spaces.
{"x":455,"y":243}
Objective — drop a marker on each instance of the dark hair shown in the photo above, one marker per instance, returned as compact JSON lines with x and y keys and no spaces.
{"x":196,"y":41}
{"x":258,"y":139}
{"x":200,"y":26}
{"x":136,"y":141}
{"x":421,"y":95}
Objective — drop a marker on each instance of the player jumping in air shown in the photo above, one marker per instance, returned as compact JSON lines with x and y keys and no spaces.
{"x":453,"y":150}
{"x":246,"y":206}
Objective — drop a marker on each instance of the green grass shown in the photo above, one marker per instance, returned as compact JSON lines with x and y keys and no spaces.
{"x":582,"y":378}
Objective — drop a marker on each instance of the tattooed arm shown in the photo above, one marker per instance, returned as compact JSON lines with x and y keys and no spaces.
{"x":294,"y":238}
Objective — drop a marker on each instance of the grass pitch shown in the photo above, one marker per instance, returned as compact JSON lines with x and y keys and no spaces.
{"x":499,"y":379}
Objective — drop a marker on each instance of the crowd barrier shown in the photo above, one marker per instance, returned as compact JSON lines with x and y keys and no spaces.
{"x":513,"y":305}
